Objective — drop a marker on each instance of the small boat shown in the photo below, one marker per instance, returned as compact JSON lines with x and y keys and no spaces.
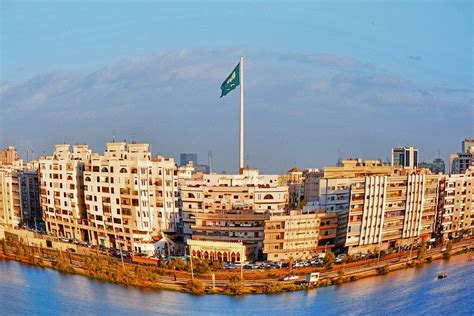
{"x":443,"y":275}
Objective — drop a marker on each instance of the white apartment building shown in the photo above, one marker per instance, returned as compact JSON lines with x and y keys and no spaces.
{"x":124,"y":197}
{"x":221,"y":192}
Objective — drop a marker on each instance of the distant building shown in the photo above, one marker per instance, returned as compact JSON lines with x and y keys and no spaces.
{"x":406,"y":157}
{"x":437,"y":166}
{"x":467,"y":145}
{"x":184,"y":158}
{"x":460,"y":162}
{"x":9,"y":156}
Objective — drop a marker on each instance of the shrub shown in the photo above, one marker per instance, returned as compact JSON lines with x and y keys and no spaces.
{"x":329,"y":259}
{"x":200,"y":266}
{"x":195,"y":286}
{"x":383,"y":270}
{"x":273,"y":287}
{"x":235,"y":286}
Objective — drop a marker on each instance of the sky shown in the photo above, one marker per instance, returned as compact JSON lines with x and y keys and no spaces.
{"x":323,"y":79}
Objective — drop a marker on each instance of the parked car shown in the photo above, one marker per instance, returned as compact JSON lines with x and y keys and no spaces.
{"x":290,"y":278}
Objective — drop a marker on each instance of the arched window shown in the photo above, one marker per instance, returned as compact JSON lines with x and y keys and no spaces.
{"x":88,"y":179}
{"x":69,"y":177}
{"x":104,"y":169}
{"x":191,"y":195}
{"x":268,"y":197}
{"x":123,"y":170}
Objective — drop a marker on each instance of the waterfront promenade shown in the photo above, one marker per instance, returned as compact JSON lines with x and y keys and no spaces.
{"x":35,"y":291}
{"x":93,"y":264}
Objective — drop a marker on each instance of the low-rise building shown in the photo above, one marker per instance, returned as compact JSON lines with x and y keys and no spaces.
{"x":298,"y":235}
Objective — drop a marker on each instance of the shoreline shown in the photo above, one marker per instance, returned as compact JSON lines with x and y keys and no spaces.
{"x":107,"y":269}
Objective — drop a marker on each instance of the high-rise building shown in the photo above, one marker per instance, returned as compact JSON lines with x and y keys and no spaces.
{"x":406,"y":157}
{"x":437,"y":166}
{"x":184,"y":158}
{"x":121,"y":198}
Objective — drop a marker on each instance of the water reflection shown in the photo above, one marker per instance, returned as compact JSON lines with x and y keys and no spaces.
{"x":414,"y":291}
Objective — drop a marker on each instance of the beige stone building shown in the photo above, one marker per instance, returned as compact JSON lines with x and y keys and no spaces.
{"x":456,"y":210}
{"x":10,"y":198}
{"x":9,"y":156}
{"x":298,"y":235}
{"x":387,"y":211}
{"x":123,"y":197}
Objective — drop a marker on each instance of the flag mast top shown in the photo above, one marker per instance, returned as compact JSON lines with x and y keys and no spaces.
{"x":241,"y":161}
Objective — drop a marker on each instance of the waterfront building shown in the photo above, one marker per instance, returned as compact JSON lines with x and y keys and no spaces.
{"x":224,"y":251}
{"x":456,"y":210}
{"x":298,"y":235}
{"x":389,"y":211}
{"x":122,"y":198}
{"x":234,"y":225}
{"x":184,"y":158}
{"x":10,"y":197}
{"x":231,"y":207}
{"x":406,"y":157}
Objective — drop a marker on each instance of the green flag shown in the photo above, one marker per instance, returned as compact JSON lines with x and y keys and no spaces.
{"x":231,"y":82}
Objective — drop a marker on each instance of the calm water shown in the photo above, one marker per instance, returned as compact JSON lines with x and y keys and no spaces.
{"x":27,"y":290}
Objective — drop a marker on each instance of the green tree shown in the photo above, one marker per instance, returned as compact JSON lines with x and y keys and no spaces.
{"x":329,"y":259}
{"x":422,"y":251}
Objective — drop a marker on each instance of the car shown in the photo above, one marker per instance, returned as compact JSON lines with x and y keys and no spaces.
{"x":248,"y":266}
{"x":316,"y":262}
{"x":230,"y":266}
{"x":298,"y":265}
{"x":290,"y":278}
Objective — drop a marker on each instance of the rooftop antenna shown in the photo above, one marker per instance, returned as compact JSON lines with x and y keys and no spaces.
{"x":133,"y":138}
{"x":113,"y":136}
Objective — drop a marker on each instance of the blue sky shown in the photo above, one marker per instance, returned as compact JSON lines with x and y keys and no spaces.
{"x":358,"y":76}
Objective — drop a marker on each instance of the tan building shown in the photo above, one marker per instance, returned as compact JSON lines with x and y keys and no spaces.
{"x":123,"y":197}
{"x":244,"y":226}
{"x":224,"y":251}
{"x":311,"y":185}
{"x":10,"y":198}
{"x":9,"y":156}
{"x":221,"y":193}
{"x":456,"y":211}
{"x":387,"y":211}
{"x":298,"y":235}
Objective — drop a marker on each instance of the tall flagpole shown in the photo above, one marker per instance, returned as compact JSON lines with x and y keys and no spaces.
{"x":241,"y":115}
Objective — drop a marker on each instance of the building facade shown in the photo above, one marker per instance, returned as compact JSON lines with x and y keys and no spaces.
{"x":456,"y":212}
{"x":298,"y":235}
{"x":122,"y":198}
{"x":406,"y":157}
{"x":10,"y":198}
